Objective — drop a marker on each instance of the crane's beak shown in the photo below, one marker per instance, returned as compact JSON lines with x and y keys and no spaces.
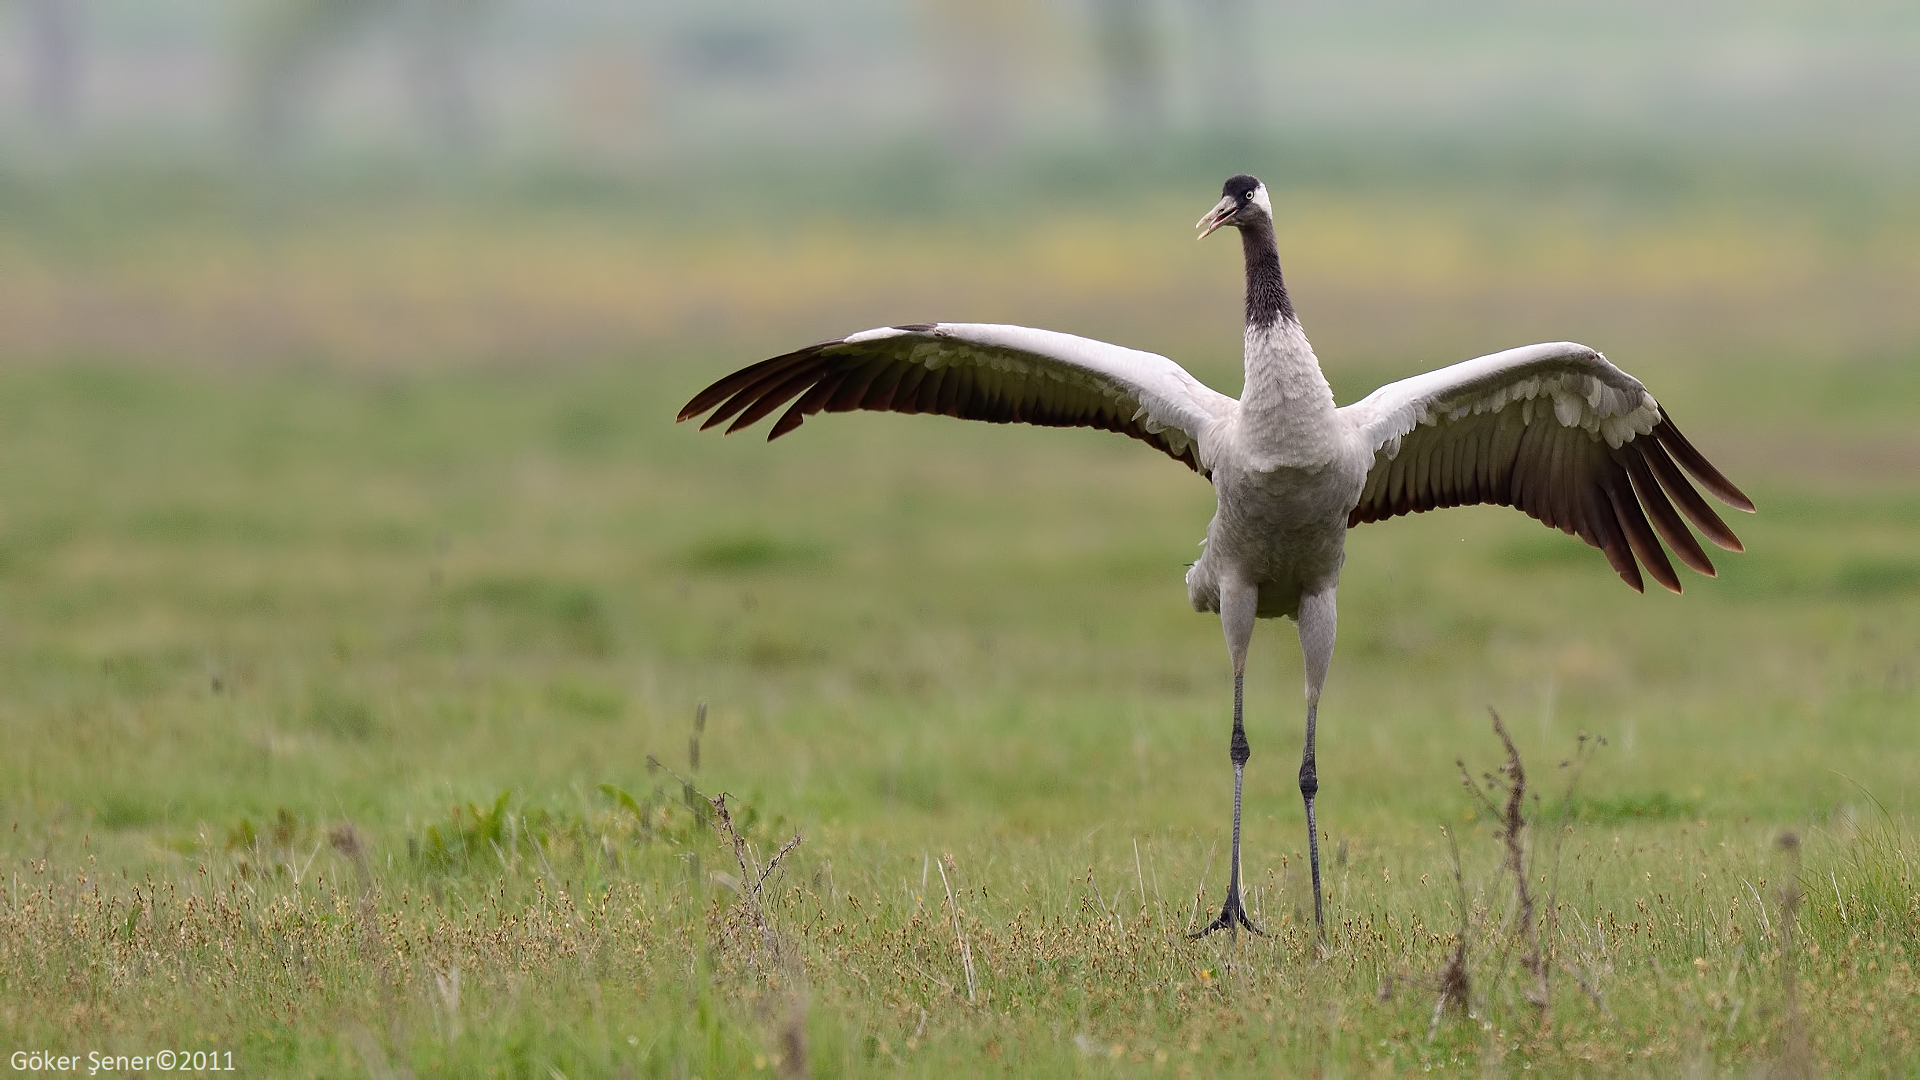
{"x":1218,"y":216}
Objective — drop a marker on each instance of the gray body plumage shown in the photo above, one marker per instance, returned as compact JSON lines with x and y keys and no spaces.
{"x":1287,"y":471}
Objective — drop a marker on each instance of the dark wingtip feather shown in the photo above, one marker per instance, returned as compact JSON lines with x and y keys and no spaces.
{"x":768,"y":399}
{"x":1640,"y":536}
{"x":789,"y":420}
{"x":722,"y":389}
{"x":746,"y":377}
{"x":1696,"y":463}
{"x":1696,"y":508}
{"x":1666,"y":520}
{"x":721,"y":416}
{"x":695,"y":407}
{"x":1611,"y":542}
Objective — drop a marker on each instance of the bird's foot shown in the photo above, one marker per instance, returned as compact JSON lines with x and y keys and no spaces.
{"x":1232,"y":914}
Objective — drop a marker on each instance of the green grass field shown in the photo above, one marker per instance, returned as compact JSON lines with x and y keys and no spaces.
{"x":328,"y":688}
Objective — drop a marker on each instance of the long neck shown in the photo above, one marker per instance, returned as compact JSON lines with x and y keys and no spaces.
{"x":1286,"y":398}
{"x":1267,"y":301}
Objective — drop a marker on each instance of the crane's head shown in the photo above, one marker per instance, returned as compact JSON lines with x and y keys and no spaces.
{"x":1243,"y":201}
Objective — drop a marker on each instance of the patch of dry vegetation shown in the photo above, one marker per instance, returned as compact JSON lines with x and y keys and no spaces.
{"x":645,"y":952}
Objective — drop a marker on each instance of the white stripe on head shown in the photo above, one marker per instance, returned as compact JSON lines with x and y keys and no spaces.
{"x":1260,"y":199}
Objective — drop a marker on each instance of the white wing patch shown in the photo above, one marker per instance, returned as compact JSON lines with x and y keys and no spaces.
{"x":878,"y":334}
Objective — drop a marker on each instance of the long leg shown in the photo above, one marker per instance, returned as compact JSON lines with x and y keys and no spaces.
{"x":1237,"y":606}
{"x":1318,"y":620}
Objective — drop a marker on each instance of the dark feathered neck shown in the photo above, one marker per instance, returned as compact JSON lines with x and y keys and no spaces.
{"x":1267,"y":301}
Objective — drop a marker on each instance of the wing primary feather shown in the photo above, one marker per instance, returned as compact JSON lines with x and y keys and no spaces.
{"x":979,"y":398}
{"x":1462,"y":465}
{"x":1470,"y":463}
{"x":886,"y":386}
{"x":1691,"y":503}
{"x":1582,"y":518}
{"x":1418,"y":495}
{"x":767,"y":374}
{"x":1560,"y":473}
{"x":1640,"y":536}
{"x":792,"y":418}
{"x":1449,"y":487}
{"x":1517,"y":473}
{"x":1480,"y":476}
{"x":1540,"y":478}
{"x":905,"y":395}
{"x":734,"y":404}
{"x":1696,"y":463}
{"x":926,"y":397}
{"x":809,"y":403}
{"x":1606,"y":527}
{"x":937,"y":381}
{"x":770,"y":400}
{"x":1580,"y":507}
{"x":1665,"y":519}
{"x":1445,"y":488}
{"x":1396,"y":501}
{"x":734,"y":383}
{"x":854,"y":390}
{"x":954,"y":391}
{"x":751,"y":393}
{"x":1504,"y":456}
{"x":1524,"y":492}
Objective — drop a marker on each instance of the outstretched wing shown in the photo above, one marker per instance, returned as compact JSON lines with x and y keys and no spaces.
{"x":1553,"y":430}
{"x":978,"y":371}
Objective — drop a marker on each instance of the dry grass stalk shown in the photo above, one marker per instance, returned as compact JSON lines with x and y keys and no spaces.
{"x":345,"y":838}
{"x":769,"y":958}
{"x":966,"y":952}
{"x":1796,"y":1059}
{"x":1575,"y":765}
{"x":693,"y":740}
{"x":1455,"y":988}
{"x":752,"y":878}
{"x":1512,"y":820}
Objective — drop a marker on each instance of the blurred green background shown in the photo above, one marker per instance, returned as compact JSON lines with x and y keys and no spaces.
{"x":303,"y":295}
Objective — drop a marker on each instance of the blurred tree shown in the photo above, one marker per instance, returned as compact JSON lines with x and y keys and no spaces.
{"x":54,"y":29}
{"x":976,"y":46}
{"x":1229,"y":62}
{"x":285,"y":47}
{"x":1133,"y":63}
{"x":443,"y":35}
{"x":290,"y":42}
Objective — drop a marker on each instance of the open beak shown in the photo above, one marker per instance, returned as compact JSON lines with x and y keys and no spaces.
{"x":1217,"y":216}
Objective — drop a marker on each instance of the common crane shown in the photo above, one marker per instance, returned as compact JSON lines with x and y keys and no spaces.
{"x":1553,"y":430}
